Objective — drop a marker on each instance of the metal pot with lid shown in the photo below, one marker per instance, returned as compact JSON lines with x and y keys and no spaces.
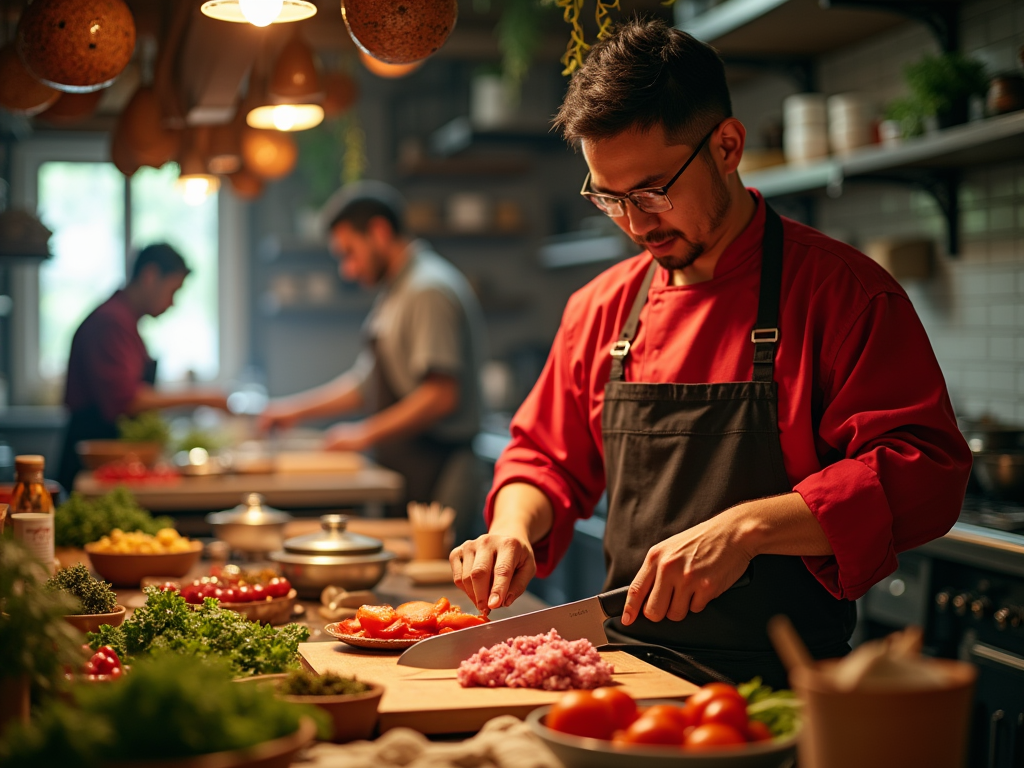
{"x":252,"y":526}
{"x":332,"y":556}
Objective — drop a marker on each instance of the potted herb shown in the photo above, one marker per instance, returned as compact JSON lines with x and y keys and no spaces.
{"x":35,"y":642}
{"x":351,"y":704}
{"x":97,"y":601}
{"x":942,"y":86}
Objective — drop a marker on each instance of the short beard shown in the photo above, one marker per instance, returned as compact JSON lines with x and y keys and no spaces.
{"x":693,"y":250}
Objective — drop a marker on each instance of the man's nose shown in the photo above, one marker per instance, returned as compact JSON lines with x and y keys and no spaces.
{"x":640,"y":223}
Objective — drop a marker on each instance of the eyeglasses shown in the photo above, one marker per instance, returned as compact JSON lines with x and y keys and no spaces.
{"x":651,"y":200}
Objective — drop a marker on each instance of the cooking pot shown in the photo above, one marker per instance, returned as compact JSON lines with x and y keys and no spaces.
{"x":332,"y":557}
{"x":251,"y":526}
{"x":1001,"y":475}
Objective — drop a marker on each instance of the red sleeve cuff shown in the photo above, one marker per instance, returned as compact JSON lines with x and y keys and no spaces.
{"x":850,"y":505}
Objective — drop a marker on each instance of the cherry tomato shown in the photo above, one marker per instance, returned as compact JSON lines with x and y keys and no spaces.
{"x":713,"y":736}
{"x":580,"y":714}
{"x":758,"y":731}
{"x":168,"y":586}
{"x":229,"y":595}
{"x":208,"y":589}
{"x":726,"y":711}
{"x":89,"y":668}
{"x":679,"y":714}
{"x":278,"y":587}
{"x":192,"y":595}
{"x":243,"y":594}
{"x":696,"y":703}
{"x":622,"y":705}
{"x":259,"y":592}
{"x":116,"y":672}
{"x":659,"y":728}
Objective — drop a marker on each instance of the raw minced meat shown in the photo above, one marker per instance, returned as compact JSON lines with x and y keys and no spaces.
{"x":536,"y":661}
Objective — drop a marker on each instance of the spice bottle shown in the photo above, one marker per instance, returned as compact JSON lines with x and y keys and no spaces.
{"x":30,"y":494}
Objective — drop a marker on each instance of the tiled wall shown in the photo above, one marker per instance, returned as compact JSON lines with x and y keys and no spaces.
{"x":973,"y":305}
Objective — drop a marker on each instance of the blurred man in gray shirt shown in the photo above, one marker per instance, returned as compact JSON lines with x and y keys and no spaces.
{"x":418,"y":375}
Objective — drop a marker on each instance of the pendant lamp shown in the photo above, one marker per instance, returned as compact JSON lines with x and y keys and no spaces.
{"x":246,"y":185}
{"x":259,"y":13}
{"x":340,"y":92}
{"x":195,"y":182}
{"x":294,"y":94}
{"x":225,"y":155}
{"x":20,"y":92}
{"x":71,"y":107}
{"x":268,"y":154}
{"x":142,"y":122}
{"x":76,"y":45}
{"x":400,"y":31}
{"x":389,"y":71}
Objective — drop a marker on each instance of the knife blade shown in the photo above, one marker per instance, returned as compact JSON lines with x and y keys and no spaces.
{"x":581,"y":619}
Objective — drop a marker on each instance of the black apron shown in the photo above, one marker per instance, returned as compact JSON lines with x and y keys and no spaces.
{"x":677,"y":455}
{"x":420,"y":459}
{"x":90,"y":424}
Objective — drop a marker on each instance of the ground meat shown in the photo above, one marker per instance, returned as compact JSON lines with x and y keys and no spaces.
{"x":539,"y":661}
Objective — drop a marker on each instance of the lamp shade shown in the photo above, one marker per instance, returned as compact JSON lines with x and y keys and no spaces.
{"x":399,"y":31}
{"x":142,"y":119}
{"x":296,"y":76}
{"x":20,"y":92}
{"x":268,"y":154}
{"x":340,"y":92}
{"x":76,"y":45}
{"x":71,"y":107}
{"x":259,"y":12}
{"x":389,"y":71}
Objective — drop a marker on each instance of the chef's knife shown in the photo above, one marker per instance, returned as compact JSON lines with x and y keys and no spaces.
{"x":582,"y":619}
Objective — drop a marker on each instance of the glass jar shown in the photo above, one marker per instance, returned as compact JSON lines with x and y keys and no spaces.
{"x":30,"y":494}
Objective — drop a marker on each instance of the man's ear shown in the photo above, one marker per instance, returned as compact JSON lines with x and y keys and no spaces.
{"x":380,"y":230}
{"x":728,"y":149}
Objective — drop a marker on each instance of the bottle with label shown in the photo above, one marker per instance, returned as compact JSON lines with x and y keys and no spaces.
{"x":30,"y":494}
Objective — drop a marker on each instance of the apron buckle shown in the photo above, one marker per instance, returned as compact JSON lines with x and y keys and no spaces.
{"x":620,"y":349}
{"x":764,"y":335}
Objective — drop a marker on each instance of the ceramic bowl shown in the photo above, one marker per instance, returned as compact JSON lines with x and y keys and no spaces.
{"x":91,"y":622}
{"x":580,"y":752}
{"x":128,"y":570}
{"x":353,"y":716}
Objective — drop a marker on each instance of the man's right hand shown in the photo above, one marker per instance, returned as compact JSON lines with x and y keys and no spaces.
{"x":277,"y":415}
{"x":494,"y":569}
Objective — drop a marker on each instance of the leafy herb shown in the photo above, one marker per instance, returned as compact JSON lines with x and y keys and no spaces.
{"x":167,"y":708}
{"x":779,"y":710}
{"x":199,"y":438}
{"x":80,"y":521}
{"x":34,"y":638}
{"x":146,"y":427}
{"x":94,"y":595}
{"x":302,"y":682}
{"x":166,"y":623}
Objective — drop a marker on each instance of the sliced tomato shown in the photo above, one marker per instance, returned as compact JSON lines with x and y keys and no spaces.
{"x":455,"y":620}
{"x":419,"y":615}
{"x":397,"y":630}
{"x":373,"y":618}
{"x":349,"y":626}
{"x":442,"y":606}
{"x":445,"y":630}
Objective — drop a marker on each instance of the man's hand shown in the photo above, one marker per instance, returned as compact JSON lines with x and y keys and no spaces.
{"x":494,"y":569}
{"x":277,"y":414}
{"x":352,"y":436}
{"x":687,"y":571}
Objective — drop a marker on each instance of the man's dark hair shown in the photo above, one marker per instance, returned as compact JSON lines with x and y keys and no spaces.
{"x":167,"y":260}
{"x":357,"y":204}
{"x":646,"y":74}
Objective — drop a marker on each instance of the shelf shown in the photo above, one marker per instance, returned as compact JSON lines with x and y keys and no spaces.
{"x":996,"y":139}
{"x":579,"y":248}
{"x":789,"y":28}
{"x":459,"y":135}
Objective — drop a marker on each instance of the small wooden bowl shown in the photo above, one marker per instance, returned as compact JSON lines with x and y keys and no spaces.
{"x":354,"y":716}
{"x":277,"y":610}
{"x":91,"y":622}
{"x":95,"y":453}
{"x":128,"y":570}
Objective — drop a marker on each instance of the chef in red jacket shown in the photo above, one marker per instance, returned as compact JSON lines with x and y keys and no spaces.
{"x":760,"y":401}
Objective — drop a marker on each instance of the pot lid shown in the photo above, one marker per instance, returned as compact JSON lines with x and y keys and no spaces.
{"x":252,"y":511}
{"x":333,"y":540}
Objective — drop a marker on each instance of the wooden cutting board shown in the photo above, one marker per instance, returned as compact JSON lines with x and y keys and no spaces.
{"x":432,"y":701}
{"x":302,"y":462}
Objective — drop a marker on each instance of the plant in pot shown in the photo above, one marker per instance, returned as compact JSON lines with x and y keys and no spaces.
{"x":97,"y":601}
{"x":35,"y":641}
{"x":942,"y":86}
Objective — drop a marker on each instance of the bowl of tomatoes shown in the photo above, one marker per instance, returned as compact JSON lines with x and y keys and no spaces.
{"x":717,"y":727}
{"x":269,"y":601}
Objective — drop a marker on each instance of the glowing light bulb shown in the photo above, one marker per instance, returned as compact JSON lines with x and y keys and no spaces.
{"x":196,"y":189}
{"x":261,"y":13}
{"x":284,"y":117}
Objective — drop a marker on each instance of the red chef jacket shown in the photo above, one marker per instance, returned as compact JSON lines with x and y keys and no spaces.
{"x":108,"y":360}
{"x":868,"y":434}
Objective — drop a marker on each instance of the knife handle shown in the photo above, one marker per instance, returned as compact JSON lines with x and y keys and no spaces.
{"x":614,"y":602}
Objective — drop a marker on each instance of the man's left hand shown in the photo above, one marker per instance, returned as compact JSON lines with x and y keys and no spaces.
{"x":347,"y":437}
{"x":687,"y":571}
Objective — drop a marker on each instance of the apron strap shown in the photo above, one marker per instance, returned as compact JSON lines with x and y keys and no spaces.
{"x":766,"y":332}
{"x":621,"y":347}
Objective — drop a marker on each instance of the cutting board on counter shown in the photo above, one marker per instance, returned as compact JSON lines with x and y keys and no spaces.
{"x":432,"y":701}
{"x":322,"y":462}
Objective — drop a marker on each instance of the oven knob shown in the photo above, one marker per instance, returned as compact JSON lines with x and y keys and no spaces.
{"x":1002,"y":617}
{"x":962,"y":602}
{"x":981,"y":607}
{"x":942,"y":601}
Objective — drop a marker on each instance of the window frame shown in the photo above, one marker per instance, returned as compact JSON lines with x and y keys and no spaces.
{"x":232,"y":260}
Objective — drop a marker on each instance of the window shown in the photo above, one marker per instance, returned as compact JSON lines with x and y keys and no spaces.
{"x":99,"y":219}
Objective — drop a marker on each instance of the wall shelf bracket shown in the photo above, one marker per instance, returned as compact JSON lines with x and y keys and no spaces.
{"x":942,"y":18}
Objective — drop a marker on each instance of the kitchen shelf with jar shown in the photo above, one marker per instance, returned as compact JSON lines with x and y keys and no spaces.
{"x":932,"y":162}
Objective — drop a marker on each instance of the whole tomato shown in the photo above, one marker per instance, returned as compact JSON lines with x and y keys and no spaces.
{"x":660,"y":728}
{"x":259,"y":592}
{"x":696,"y":703}
{"x":758,"y":731}
{"x":622,"y":705}
{"x":191,"y":594}
{"x":726,"y":711}
{"x":278,"y":587}
{"x":580,"y":714}
{"x":679,"y":714}
{"x":243,"y":594}
{"x":229,"y":595}
{"x":713,"y":736}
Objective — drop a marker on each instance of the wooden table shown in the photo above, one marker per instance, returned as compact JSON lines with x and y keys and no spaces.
{"x":370,"y":486}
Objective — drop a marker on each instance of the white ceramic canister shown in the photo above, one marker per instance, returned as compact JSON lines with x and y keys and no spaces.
{"x":35,"y":531}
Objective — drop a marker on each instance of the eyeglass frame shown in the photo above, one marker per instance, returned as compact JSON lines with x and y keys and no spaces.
{"x":663,"y":191}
